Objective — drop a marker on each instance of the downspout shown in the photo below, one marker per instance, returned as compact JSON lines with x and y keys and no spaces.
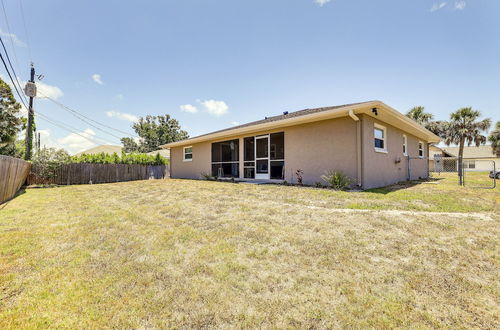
{"x":358,"y":146}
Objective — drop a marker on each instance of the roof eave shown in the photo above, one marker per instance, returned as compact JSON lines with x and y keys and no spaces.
{"x":329,"y":114}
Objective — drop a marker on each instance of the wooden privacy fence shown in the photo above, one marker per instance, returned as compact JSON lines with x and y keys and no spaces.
{"x":13,"y":173}
{"x":68,"y":174}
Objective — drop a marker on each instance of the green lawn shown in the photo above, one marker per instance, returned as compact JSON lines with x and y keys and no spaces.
{"x":181,"y":253}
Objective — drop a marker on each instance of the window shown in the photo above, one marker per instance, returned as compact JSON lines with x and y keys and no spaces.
{"x":470,"y":164}
{"x":225,"y":159}
{"x":420,"y":149}
{"x":405,"y":144}
{"x":379,"y":134}
{"x":188,"y":154}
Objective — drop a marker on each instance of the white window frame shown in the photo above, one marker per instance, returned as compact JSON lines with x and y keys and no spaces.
{"x":405,"y":145}
{"x":384,"y":130}
{"x":184,"y":154}
{"x":420,"y":143}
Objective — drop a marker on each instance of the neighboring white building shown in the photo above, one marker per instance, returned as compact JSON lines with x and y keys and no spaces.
{"x":475,"y":158}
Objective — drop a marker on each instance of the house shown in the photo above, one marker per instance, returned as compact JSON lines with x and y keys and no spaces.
{"x":372,"y":143}
{"x":165,"y":153}
{"x":475,"y":158}
{"x":436,"y":152}
{"x":106,"y":148}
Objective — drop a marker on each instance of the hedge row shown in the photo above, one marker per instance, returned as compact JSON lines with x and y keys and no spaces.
{"x":114,"y":158}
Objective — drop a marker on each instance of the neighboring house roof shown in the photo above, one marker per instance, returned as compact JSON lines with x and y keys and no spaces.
{"x":434,"y":150}
{"x":472,"y":152}
{"x":163,"y":152}
{"x":389,"y":115}
{"x":107,"y":149}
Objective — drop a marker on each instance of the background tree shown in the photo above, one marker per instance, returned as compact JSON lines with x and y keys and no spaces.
{"x":154,"y":132}
{"x":419,"y":115}
{"x":129,"y":145}
{"x":494,"y":138}
{"x":462,"y":128}
{"x":10,"y":121}
{"x":425,"y":119}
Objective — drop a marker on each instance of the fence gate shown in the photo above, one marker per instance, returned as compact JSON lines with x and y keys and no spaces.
{"x":480,"y":173}
{"x":475,"y":173}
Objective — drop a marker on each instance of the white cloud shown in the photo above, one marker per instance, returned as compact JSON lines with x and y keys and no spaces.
{"x":188,"y":108}
{"x":122,"y":116}
{"x":437,"y":6}
{"x":43,"y":89}
{"x":460,"y":5}
{"x":15,"y":39}
{"x":73,"y":142}
{"x":321,"y":3}
{"x":235,"y":123}
{"x":214,"y":107}
{"x":47,"y":90}
{"x":97,"y":78}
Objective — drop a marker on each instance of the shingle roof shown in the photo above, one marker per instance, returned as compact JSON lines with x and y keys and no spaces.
{"x":285,"y":116}
{"x":472,"y":152}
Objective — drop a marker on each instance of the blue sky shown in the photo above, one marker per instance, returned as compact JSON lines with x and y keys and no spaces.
{"x":215,"y":63}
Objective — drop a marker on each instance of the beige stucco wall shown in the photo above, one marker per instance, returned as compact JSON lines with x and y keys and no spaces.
{"x":317,"y":147}
{"x":330,"y":143}
{"x":201,"y":162}
{"x":382,"y":169}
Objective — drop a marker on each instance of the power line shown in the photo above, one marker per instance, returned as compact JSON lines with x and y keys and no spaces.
{"x":81,"y":116}
{"x":13,"y":71}
{"x":69,"y":128}
{"x":10,"y":35}
{"x":12,"y":80}
{"x":25,"y":29}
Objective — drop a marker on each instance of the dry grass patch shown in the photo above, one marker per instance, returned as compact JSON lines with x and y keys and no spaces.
{"x":180,"y":253}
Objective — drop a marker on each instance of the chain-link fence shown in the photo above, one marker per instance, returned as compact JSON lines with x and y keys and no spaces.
{"x":480,"y":173}
{"x":469,"y":172}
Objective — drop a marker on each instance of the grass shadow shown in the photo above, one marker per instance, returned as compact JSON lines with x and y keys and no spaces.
{"x":18,"y":193}
{"x":402,"y":185}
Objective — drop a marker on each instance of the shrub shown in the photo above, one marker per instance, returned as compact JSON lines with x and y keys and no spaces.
{"x":207,"y":176}
{"x":299,"y":174}
{"x":318,"y":184}
{"x":132,"y":158}
{"x":336,"y":179}
{"x":48,"y":161}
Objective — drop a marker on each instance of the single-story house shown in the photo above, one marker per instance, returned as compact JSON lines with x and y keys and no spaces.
{"x":106,"y":148}
{"x":165,"y":153}
{"x":372,"y":143}
{"x":475,"y":158}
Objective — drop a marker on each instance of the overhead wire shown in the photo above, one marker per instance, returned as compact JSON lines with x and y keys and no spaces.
{"x":10,"y":36}
{"x":70,"y":128}
{"x":25,"y":30}
{"x":12,"y":80}
{"x":41,"y":115}
{"x":22,"y":96}
{"x":85,"y":118}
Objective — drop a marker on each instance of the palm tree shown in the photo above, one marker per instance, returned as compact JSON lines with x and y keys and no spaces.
{"x":462,"y":128}
{"x":425,"y":119}
{"x":419,"y":115}
{"x":494,"y":138}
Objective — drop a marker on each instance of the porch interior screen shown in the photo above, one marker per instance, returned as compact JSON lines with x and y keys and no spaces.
{"x":276,"y":157}
{"x":225,"y":159}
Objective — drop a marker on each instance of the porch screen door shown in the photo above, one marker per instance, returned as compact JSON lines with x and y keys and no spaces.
{"x":262,"y":157}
